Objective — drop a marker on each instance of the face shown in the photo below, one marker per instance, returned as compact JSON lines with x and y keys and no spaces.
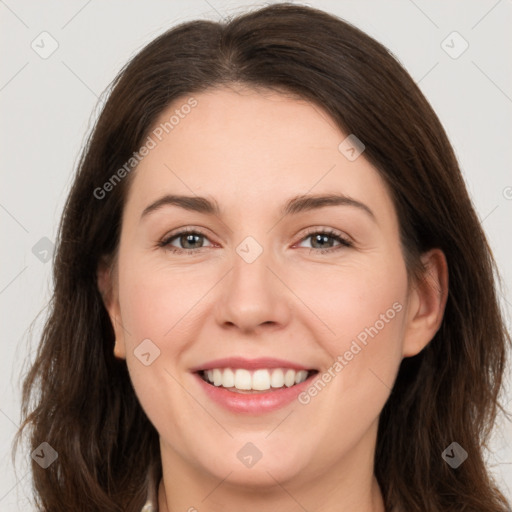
{"x":267,"y":285}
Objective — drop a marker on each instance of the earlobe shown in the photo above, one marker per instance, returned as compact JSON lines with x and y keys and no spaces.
{"x":119,"y":351}
{"x":427,"y":302}
{"x":107,"y":288}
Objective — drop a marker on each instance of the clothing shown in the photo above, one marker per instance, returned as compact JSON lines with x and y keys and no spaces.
{"x":151,"y":504}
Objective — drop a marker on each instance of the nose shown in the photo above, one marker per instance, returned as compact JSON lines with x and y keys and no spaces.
{"x":254,"y":295}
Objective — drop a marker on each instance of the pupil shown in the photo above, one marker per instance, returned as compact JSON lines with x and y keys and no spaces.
{"x":189,"y":238}
{"x":321,"y":238}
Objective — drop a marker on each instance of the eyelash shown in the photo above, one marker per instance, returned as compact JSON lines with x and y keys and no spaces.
{"x":331,"y":233}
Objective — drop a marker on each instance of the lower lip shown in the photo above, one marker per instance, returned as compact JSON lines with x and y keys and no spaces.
{"x":253,"y":403}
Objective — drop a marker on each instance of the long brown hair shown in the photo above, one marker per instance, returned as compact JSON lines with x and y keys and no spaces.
{"x":83,"y":403}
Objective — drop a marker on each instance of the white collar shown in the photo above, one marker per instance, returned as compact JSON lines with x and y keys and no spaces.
{"x":151,"y":504}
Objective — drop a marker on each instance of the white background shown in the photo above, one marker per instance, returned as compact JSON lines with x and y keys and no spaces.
{"x":49,"y":105}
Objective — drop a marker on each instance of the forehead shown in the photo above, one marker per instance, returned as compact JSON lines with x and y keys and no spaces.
{"x":256,"y":147}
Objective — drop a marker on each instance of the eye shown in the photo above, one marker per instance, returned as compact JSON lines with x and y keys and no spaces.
{"x":190,"y":239}
{"x":320,"y":241}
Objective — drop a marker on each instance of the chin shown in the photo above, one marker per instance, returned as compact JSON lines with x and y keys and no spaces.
{"x":256,"y":468}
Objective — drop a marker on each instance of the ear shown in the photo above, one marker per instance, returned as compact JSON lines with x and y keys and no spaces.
{"x":426,"y":304}
{"x":107,"y":285}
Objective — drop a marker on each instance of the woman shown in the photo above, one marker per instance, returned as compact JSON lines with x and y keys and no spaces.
{"x":360,"y":372}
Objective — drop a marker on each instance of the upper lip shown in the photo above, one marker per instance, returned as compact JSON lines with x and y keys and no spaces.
{"x":249,"y":364}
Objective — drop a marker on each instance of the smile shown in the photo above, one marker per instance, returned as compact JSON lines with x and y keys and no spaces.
{"x":262,"y":379}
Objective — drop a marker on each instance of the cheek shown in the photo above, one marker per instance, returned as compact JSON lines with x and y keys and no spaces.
{"x":156,"y":309}
{"x":356,"y":298}
{"x":156,"y":302}
{"x":363,"y":359}
{"x":360,"y":314}
{"x":368,"y":322}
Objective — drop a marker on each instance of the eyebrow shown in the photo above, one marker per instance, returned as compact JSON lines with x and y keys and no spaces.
{"x":295,"y":205}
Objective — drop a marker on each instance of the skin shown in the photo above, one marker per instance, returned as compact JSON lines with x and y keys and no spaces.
{"x":252,"y":150}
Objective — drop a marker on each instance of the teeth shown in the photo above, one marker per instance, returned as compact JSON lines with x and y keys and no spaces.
{"x":257,"y":380}
{"x":261,"y":380}
{"x":242,"y":379}
{"x":277,"y":378}
{"x":228,"y":378}
{"x":217,"y":377}
{"x":289,"y":378}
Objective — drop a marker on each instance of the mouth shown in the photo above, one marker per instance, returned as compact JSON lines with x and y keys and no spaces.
{"x":253,"y":386}
{"x":255,"y":381}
